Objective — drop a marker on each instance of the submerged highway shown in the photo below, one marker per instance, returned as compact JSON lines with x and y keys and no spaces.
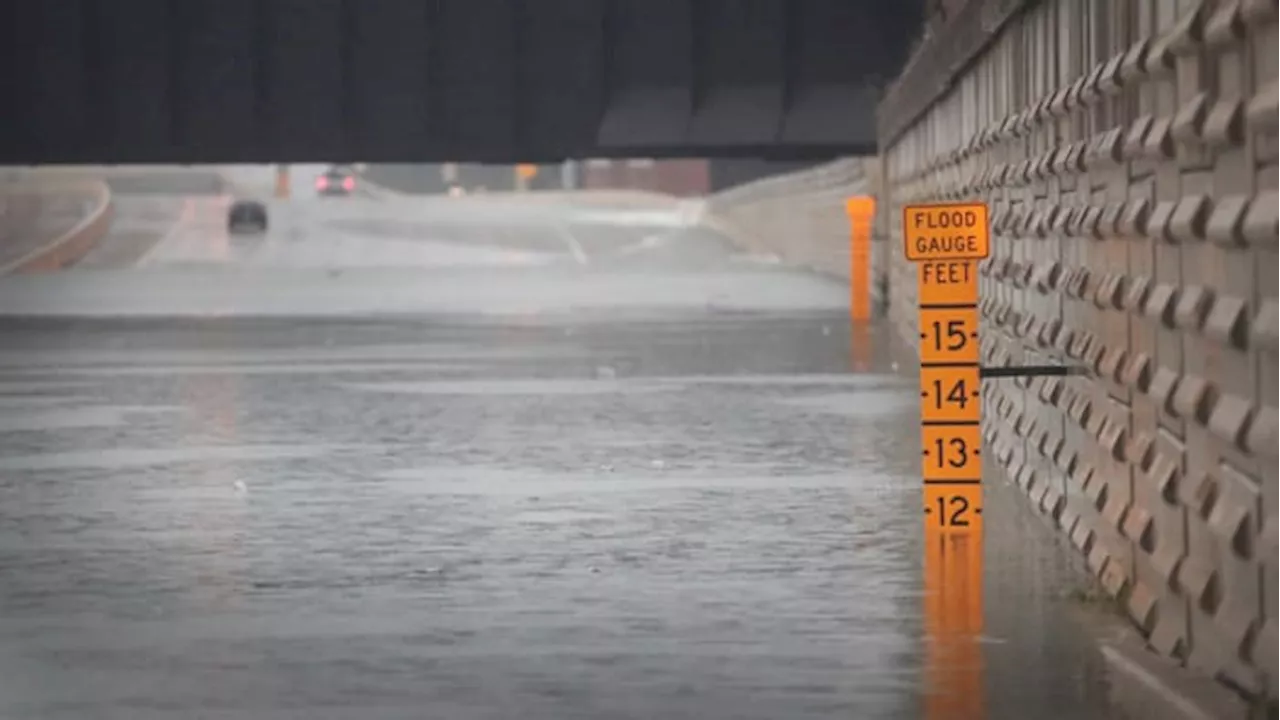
{"x":475,"y":458}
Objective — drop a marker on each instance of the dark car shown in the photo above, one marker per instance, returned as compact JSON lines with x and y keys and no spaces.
{"x":247,"y":216}
{"x":339,"y":181}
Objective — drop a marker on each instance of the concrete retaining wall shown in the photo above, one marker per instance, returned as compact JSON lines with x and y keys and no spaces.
{"x":1128,"y":152}
{"x":73,"y":216}
{"x":618,"y":198}
{"x":800,"y":217}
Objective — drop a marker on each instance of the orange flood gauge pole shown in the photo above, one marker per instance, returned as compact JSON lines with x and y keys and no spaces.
{"x":946,"y":242}
{"x":861,"y":210}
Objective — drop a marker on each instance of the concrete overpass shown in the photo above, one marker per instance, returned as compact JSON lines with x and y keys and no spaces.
{"x":189,"y":81}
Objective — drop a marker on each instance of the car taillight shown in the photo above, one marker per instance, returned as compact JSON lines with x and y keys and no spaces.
{"x":321,"y":183}
{"x":348,"y":183}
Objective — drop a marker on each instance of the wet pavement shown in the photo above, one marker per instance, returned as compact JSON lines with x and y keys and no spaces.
{"x":682,"y":504}
{"x":31,"y":216}
{"x":19,"y":222}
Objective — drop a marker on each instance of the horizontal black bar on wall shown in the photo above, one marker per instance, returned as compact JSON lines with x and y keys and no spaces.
{"x":1030,"y":371}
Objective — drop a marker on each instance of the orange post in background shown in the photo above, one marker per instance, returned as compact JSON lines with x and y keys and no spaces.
{"x":861,"y":210}
{"x":946,"y":242}
{"x":525,"y":172}
{"x":282,"y":181}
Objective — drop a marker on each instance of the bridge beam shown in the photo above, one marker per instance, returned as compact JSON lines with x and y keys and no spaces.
{"x":151,"y":81}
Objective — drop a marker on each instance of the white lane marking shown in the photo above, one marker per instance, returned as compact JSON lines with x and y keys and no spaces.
{"x":665,"y":218}
{"x":575,"y":247}
{"x":161,"y":248}
{"x":648,"y":242}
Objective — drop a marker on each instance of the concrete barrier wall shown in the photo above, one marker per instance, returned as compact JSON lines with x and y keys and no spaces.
{"x":74,"y":215}
{"x":1128,"y":152}
{"x":800,"y":217}
{"x":627,"y":198}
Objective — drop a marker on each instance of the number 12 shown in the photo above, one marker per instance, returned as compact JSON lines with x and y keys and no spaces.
{"x":959,"y":509}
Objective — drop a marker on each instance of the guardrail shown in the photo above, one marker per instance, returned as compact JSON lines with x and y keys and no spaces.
{"x":69,"y":246}
{"x":800,"y":217}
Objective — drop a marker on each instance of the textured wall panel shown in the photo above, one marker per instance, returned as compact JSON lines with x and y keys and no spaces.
{"x":1127,"y":150}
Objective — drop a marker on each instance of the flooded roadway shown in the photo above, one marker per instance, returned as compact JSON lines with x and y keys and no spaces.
{"x":666,"y":484}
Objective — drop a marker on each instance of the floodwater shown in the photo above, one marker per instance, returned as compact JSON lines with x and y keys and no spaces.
{"x":673,"y":503}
